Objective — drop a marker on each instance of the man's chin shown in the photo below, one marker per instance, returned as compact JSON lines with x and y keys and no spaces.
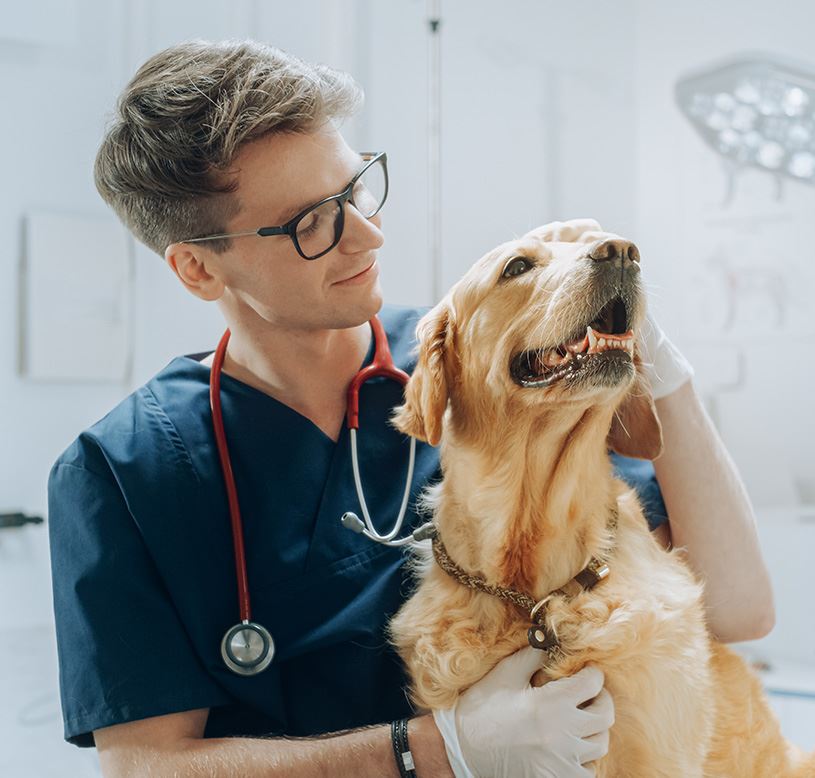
{"x":354,"y":313}
{"x":372,"y":303}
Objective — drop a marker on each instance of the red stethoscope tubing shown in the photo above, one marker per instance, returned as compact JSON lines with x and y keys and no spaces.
{"x":229,"y":478}
{"x":382,"y":365}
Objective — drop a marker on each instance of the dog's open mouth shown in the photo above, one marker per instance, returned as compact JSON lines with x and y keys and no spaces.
{"x":606,"y":339}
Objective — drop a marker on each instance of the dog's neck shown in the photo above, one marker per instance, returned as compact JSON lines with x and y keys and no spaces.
{"x":528,"y":507}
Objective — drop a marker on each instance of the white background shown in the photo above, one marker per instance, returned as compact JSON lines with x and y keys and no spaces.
{"x":550,"y":110}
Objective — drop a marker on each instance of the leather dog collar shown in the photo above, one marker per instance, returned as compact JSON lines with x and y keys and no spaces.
{"x":539,"y":635}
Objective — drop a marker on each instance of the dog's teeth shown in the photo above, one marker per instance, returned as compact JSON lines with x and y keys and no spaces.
{"x":600,"y":342}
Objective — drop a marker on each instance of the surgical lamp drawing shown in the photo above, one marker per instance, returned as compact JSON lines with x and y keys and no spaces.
{"x":756,"y":111}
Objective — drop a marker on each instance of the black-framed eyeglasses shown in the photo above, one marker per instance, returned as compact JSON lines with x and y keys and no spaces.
{"x":318,"y":228}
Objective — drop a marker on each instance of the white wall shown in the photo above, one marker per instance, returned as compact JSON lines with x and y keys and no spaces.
{"x":549,"y":111}
{"x":537,"y":121}
{"x":689,"y":239}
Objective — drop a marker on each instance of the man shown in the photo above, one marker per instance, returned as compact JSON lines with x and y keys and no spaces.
{"x":217,"y":140}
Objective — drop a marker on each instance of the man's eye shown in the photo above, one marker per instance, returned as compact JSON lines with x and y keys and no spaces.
{"x":309,"y":222}
{"x":516,"y":266}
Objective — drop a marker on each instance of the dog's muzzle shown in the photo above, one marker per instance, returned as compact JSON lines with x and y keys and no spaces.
{"x":602,"y":355}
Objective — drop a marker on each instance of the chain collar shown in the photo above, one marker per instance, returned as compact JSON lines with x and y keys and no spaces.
{"x":539,"y":635}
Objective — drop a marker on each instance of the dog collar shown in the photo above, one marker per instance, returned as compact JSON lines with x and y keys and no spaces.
{"x":539,"y":635}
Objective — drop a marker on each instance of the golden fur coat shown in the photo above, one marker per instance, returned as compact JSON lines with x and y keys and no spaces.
{"x":526,"y":493}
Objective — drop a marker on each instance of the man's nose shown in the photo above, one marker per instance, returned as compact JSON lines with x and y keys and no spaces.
{"x":618,"y":251}
{"x":359,"y":233}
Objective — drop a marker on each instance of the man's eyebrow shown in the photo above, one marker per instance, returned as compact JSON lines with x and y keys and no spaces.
{"x":292,"y":212}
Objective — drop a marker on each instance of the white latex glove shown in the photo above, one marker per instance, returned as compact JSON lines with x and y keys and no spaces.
{"x":662,"y":362}
{"x":502,"y":727}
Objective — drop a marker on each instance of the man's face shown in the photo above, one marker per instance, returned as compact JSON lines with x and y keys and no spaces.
{"x":264,"y":277}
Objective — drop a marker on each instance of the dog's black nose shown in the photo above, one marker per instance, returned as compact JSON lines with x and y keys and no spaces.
{"x":613,"y":248}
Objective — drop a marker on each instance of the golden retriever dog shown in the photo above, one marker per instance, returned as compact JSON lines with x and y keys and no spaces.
{"x":528,"y":371}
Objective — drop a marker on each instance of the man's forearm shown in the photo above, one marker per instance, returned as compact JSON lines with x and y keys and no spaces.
{"x":712,"y":518}
{"x":360,"y":753}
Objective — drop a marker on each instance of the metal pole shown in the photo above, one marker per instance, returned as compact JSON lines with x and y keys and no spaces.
{"x":434,"y":147}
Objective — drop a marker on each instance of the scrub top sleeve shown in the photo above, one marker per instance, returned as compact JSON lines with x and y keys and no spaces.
{"x":640,"y":474}
{"x":123,"y":652}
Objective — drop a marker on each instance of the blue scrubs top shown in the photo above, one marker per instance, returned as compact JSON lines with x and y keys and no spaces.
{"x":143,"y":566}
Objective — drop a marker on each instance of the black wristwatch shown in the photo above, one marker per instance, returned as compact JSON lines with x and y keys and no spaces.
{"x":401,"y":749}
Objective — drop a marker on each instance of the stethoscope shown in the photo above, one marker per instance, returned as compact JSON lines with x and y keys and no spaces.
{"x":248,"y":647}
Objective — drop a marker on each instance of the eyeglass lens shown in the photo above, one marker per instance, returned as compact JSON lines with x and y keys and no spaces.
{"x":317,"y":231}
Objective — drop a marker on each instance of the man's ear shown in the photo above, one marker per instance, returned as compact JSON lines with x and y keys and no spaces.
{"x":635,"y":428}
{"x":427,"y":391}
{"x":192,"y":271}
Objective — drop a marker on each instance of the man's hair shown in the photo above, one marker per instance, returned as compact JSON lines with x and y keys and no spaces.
{"x":185,"y":114}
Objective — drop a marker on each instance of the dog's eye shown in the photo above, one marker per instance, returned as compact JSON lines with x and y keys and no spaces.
{"x":516,"y":266}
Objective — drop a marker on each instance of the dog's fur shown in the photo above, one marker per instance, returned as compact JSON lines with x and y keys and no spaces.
{"x":524,"y":500}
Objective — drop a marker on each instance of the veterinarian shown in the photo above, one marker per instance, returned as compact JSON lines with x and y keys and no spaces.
{"x":211,"y":139}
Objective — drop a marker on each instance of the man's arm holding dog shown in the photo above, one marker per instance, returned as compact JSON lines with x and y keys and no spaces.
{"x":174,"y":745}
{"x":712,"y":519}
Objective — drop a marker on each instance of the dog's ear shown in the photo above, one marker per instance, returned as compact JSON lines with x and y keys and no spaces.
{"x":427,"y":391}
{"x":635,"y":428}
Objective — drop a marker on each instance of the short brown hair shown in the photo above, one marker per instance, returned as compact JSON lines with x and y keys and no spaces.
{"x":183,"y":117}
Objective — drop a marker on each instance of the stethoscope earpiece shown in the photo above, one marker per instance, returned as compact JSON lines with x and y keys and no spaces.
{"x":351,"y":521}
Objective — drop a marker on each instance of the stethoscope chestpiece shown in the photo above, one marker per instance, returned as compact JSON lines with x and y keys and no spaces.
{"x":247,"y":648}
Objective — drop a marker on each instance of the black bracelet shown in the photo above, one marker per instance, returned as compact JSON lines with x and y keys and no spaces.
{"x":401,"y":749}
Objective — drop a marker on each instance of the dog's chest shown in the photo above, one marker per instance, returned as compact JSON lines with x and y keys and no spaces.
{"x":644,"y":627}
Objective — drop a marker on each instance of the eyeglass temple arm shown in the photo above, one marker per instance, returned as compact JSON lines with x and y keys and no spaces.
{"x":216,"y":237}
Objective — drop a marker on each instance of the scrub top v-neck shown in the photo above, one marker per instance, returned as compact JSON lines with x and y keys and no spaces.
{"x":143,"y":566}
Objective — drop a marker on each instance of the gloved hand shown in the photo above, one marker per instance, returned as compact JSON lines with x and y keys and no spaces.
{"x":502,"y":727}
{"x":662,"y":362}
